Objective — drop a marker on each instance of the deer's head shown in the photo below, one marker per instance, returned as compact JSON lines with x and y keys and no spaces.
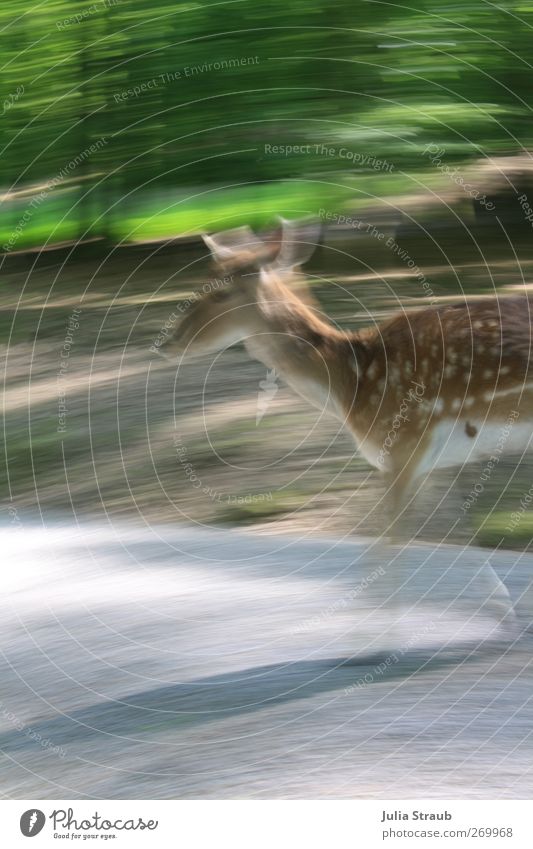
{"x":255,"y":277}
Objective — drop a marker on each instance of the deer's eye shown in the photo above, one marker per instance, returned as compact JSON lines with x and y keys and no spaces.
{"x":220,"y":295}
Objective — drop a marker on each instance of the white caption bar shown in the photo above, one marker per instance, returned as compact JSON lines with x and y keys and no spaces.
{"x":268,"y":824}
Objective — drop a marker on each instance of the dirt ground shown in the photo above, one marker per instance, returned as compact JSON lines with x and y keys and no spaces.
{"x":98,"y":426}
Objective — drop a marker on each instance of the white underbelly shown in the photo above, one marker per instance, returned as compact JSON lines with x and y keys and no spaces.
{"x":450,"y":444}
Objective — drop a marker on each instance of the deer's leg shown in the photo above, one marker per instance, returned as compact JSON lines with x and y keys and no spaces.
{"x":524,"y":609}
{"x":488,"y":596}
{"x":390,"y":555}
{"x":399,"y":620}
{"x":494,"y":599}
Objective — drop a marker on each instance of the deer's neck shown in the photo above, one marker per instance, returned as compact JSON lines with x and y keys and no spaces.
{"x":316,"y":360}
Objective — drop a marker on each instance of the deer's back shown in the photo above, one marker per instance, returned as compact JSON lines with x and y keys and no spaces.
{"x":445,"y":381}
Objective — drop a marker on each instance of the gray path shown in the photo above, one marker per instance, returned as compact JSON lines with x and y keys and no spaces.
{"x":185,"y":663}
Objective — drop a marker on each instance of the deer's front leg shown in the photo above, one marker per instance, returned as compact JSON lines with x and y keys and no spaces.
{"x":391,"y":614}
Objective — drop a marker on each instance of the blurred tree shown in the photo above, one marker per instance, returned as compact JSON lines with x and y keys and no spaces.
{"x":187,"y":94}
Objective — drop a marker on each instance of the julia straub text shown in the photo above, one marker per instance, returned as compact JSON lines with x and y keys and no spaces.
{"x":396,"y":816}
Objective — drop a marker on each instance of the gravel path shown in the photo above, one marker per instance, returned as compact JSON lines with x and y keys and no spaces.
{"x":166,"y":662}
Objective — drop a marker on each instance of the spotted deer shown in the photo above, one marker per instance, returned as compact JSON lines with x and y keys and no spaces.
{"x":427,"y":389}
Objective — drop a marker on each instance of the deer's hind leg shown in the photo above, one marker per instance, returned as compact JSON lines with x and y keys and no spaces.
{"x":450,"y":584}
{"x":425,"y":590}
{"x":390,"y":554}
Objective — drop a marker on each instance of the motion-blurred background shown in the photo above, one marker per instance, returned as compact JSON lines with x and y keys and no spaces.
{"x":167,"y":627}
{"x":128,"y":128}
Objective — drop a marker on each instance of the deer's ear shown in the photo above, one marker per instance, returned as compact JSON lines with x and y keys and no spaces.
{"x":219,"y":252}
{"x":235,"y":248}
{"x":299,"y":240}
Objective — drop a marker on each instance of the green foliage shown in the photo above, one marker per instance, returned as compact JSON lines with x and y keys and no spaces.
{"x":190,"y":95}
{"x":502,"y":528}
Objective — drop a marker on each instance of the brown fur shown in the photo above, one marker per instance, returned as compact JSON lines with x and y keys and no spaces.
{"x":464,"y":362}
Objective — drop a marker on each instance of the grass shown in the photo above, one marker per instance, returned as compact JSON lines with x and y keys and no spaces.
{"x":165,"y":213}
{"x":38,"y":453}
{"x":250,"y":508}
{"x":222,"y":208}
{"x":515,"y":528}
{"x":143,"y":217}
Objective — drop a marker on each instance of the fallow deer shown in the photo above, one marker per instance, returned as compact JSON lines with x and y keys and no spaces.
{"x":452,"y":376}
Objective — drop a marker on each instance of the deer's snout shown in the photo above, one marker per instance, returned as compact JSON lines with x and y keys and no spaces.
{"x":169,"y":344}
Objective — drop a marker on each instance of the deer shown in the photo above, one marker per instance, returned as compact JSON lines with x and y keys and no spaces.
{"x":426,"y":389}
